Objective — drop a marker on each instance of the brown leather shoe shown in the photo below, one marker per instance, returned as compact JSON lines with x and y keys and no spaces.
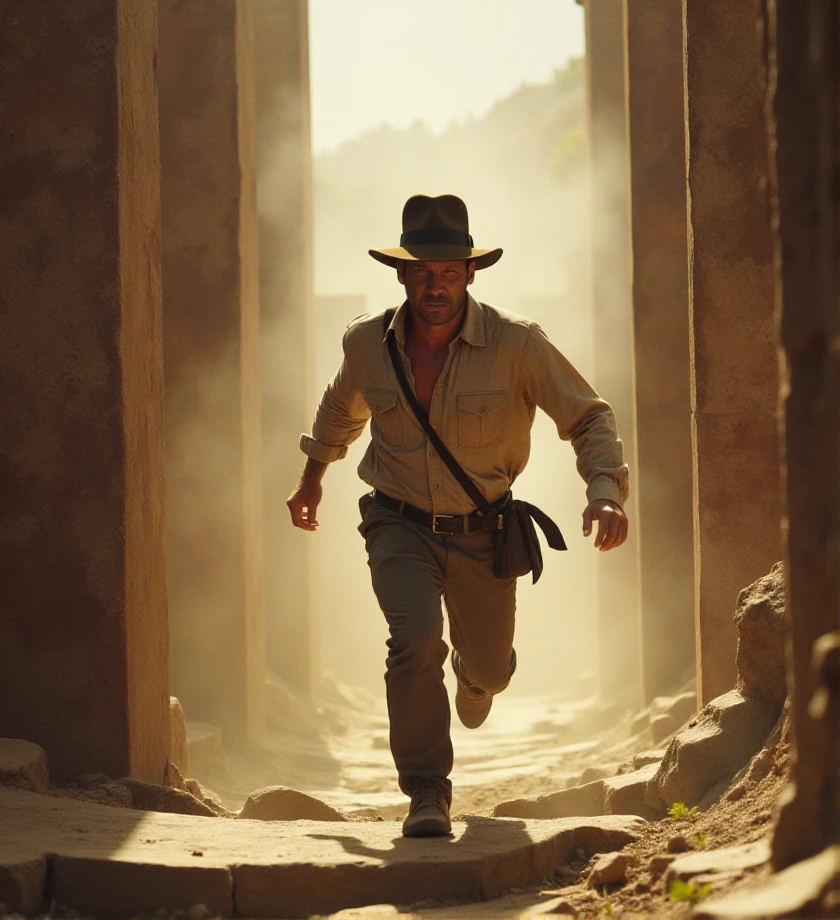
{"x":428,"y":815}
{"x":471,"y":704}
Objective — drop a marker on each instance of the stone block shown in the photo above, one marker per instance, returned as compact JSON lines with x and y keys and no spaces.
{"x":724,"y":737}
{"x":276,"y":803}
{"x":806,"y":889}
{"x":125,"y":887}
{"x":760,"y":621}
{"x":726,"y":861}
{"x":648,"y":757}
{"x":580,"y":801}
{"x":23,"y":883}
{"x":23,"y":765}
{"x":178,"y":751}
{"x":625,"y":795}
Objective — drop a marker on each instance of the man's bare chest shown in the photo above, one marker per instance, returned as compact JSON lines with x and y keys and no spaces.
{"x":426,"y":368}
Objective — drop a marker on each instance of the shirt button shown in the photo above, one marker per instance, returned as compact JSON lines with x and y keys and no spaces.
{"x":484,"y":410}
{"x":434,"y":486}
{"x":431,"y":453}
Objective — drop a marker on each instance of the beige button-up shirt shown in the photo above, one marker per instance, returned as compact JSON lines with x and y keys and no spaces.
{"x":499,"y":369}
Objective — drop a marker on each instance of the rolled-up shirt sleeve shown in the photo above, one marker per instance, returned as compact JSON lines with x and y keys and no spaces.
{"x":581,"y":416}
{"x":341,"y":417}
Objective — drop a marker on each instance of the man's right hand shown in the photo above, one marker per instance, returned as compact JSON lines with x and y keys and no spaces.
{"x":303,"y":502}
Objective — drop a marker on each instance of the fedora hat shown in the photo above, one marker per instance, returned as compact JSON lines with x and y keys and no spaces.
{"x":436,"y":230}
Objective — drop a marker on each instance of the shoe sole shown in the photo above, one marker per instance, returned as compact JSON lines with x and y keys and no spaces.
{"x":428,"y":827}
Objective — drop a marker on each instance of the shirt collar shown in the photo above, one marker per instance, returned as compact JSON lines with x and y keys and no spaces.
{"x":472,"y":329}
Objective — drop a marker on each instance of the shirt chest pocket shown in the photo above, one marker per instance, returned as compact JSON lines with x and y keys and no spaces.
{"x":481,"y":418}
{"x":385,"y":411}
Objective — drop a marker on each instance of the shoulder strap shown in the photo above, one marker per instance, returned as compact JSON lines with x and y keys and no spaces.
{"x":452,"y":464}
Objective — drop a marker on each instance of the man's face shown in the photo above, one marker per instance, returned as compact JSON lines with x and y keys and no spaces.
{"x":436,"y":291}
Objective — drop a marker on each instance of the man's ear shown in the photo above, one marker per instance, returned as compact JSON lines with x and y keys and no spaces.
{"x":470,"y":272}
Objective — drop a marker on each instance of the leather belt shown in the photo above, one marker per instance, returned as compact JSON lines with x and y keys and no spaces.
{"x":439,"y":523}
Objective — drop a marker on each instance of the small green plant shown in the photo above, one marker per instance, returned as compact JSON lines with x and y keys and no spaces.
{"x":701,"y":841}
{"x":608,"y":908}
{"x":678,"y":812}
{"x":685,"y":891}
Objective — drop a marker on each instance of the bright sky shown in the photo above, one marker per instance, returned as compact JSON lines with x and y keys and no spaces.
{"x":397,"y":61}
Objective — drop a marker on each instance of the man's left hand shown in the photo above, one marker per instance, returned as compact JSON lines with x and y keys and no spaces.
{"x":612,"y":524}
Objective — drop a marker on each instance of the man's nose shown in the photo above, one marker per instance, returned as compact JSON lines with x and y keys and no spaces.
{"x":434,"y":282}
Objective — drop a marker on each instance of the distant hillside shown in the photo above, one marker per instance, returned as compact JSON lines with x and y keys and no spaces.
{"x":518,"y":168}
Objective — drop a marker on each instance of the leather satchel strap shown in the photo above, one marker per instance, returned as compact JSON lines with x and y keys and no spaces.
{"x":552,"y":532}
{"x":420,"y":413}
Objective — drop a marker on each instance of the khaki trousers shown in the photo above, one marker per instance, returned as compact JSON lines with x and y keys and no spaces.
{"x":412,"y":568}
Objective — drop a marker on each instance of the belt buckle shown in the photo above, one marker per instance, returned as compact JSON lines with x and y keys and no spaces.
{"x":437,"y":517}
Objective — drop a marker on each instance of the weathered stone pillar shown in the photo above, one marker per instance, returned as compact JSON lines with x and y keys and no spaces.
{"x":659,"y":262}
{"x":83,"y":629}
{"x":804,"y":101}
{"x":284,"y":202}
{"x":618,"y":571}
{"x":212,"y":361}
{"x":733,"y":338}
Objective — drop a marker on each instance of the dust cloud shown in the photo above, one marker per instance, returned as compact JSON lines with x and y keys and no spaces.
{"x":521,"y":170}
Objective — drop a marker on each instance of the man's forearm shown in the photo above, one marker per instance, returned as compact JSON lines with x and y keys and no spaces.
{"x":313,"y":471}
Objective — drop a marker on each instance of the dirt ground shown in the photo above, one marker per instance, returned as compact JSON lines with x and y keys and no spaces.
{"x":337,"y":750}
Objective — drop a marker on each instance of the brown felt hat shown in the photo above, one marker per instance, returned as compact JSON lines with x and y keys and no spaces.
{"x":436,"y":230}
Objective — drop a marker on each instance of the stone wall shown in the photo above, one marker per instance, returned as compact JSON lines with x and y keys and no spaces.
{"x":82,"y":571}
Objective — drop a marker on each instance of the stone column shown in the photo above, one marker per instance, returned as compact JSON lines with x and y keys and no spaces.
{"x":284,"y":199}
{"x":618,"y":570}
{"x":212,"y":361}
{"x":659,"y":271}
{"x":804,"y":99}
{"x":733,"y":337}
{"x":83,"y":630}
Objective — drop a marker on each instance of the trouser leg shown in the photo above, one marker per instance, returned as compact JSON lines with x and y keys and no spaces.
{"x":482,"y":614}
{"x":407,"y":574}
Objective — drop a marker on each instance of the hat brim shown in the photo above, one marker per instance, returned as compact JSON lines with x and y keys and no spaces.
{"x":483,"y":258}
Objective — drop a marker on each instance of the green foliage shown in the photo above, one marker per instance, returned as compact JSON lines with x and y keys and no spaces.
{"x":608,"y":908}
{"x":701,"y":841}
{"x":685,"y":891}
{"x":678,"y":812}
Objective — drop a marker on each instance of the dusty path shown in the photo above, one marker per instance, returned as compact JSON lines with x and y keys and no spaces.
{"x":337,"y":750}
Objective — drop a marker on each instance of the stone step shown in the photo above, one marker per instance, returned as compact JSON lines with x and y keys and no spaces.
{"x":121,"y":862}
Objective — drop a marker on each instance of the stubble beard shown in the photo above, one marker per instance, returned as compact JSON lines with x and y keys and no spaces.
{"x":436,"y":317}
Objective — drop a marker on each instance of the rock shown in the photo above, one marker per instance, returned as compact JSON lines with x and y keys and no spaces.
{"x":277,"y":803}
{"x":210,"y":798}
{"x":640,"y":723}
{"x":682,"y":707}
{"x":714,"y":795}
{"x":723,"y":738}
{"x":23,"y":882}
{"x":150,"y":797}
{"x":760,"y":620}
{"x":177,"y":735}
{"x":625,"y":795}
{"x":643,"y":885}
{"x":609,"y":869}
{"x":678,"y":844}
{"x":736,"y":793}
{"x":648,"y":757}
{"x":659,"y":863}
{"x":23,"y":765}
{"x":760,"y":766}
{"x":198,"y":912}
{"x":803,"y":890}
{"x":723,"y":863}
{"x":172,"y":777}
{"x":579,"y":801}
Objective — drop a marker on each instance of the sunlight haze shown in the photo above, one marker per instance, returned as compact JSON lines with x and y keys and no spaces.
{"x":397,"y":62}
